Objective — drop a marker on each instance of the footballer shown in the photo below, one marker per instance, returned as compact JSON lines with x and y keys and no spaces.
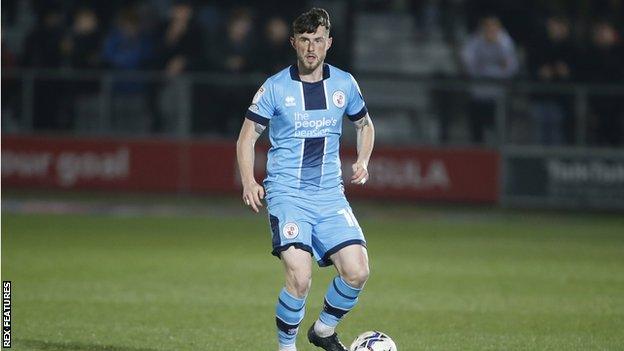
{"x":302,"y":107}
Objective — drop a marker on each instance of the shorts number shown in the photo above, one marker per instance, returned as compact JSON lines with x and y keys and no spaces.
{"x":348,"y":215}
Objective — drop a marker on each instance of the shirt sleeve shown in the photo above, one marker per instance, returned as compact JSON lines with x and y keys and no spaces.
{"x":262,"y":107}
{"x":356,"y":108}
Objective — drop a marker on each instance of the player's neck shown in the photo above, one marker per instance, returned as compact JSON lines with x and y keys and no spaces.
{"x":313,"y":76}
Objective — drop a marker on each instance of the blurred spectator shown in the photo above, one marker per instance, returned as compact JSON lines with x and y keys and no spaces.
{"x":488,"y":54}
{"x":127,"y":47}
{"x":83,"y":45}
{"x":179,"y":50}
{"x":82,"y":48}
{"x":43,"y":44}
{"x":552,"y":59}
{"x":9,"y":90}
{"x":236,"y":51}
{"x":427,"y":15}
{"x":179,"y":41}
{"x":236,"y":54}
{"x":42,"y":49}
{"x":604,"y":63}
{"x":275,"y":52}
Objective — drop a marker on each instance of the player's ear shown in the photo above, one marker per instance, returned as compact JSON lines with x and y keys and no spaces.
{"x":329,"y":42}
{"x":292,"y":42}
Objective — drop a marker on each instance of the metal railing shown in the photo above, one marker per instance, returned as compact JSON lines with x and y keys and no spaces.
{"x":427,"y":109}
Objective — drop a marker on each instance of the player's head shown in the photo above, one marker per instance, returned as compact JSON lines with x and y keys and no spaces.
{"x":311,"y":38}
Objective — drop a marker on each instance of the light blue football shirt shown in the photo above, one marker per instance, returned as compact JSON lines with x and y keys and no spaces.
{"x":305,"y":124}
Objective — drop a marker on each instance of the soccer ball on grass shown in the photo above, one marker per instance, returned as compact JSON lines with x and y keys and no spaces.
{"x":373,"y":341}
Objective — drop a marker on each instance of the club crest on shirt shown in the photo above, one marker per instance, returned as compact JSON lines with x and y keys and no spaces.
{"x":254,"y":108}
{"x":258,"y":95}
{"x":290,"y":230}
{"x":338,"y":98}
{"x":290,"y":101}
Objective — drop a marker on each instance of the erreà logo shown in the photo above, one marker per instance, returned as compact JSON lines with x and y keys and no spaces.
{"x":290,"y":101}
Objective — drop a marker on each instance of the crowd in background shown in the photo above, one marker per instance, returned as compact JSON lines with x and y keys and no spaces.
{"x":552,"y":41}
{"x":174,"y":36}
{"x":552,"y":56}
{"x":171,"y":36}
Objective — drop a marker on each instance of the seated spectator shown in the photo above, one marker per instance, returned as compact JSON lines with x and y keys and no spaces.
{"x":489,"y":53}
{"x":552,"y":59}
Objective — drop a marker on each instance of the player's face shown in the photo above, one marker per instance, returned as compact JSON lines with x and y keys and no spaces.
{"x":312,"y":47}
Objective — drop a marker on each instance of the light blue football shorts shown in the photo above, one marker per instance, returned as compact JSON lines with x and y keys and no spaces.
{"x":320,"y":222}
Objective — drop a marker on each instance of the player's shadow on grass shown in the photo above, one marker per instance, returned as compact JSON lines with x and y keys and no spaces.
{"x":72,"y":346}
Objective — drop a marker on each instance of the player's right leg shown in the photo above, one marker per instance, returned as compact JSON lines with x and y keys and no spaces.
{"x":290,"y":308}
{"x":292,"y":243}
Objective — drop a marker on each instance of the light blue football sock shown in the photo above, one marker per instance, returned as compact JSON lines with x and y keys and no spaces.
{"x":339,"y":299}
{"x":289,"y":312}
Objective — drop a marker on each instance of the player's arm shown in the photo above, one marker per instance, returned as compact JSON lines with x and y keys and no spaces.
{"x":253,"y":192}
{"x":365,"y":141}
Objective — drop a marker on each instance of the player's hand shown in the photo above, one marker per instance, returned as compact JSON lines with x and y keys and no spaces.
{"x":253,"y":193}
{"x":360,"y":173}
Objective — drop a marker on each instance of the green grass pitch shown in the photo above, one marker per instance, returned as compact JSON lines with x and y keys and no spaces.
{"x":440,"y":280}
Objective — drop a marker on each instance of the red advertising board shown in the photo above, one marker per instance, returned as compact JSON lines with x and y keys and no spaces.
{"x":208,"y":166}
{"x":429,"y":174}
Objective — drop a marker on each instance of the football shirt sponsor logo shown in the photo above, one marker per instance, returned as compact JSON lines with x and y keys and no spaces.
{"x":307,"y":127}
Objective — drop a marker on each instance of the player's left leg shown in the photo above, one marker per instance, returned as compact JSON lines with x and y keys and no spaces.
{"x":338,"y":239}
{"x":342,"y":294}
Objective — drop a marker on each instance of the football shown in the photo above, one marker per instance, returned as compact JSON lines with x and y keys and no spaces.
{"x":373,"y":341}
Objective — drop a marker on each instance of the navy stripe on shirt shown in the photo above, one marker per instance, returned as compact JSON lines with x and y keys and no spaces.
{"x":314,"y":96}
{"x":257,"y":118}
{"x":312,"y":161}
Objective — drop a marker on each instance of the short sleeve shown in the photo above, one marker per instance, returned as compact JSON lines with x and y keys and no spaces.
{"x":356,"y":108}
{"x":262,"y":106}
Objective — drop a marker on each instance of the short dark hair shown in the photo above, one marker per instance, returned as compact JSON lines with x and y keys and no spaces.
{"x":309,"y":21}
